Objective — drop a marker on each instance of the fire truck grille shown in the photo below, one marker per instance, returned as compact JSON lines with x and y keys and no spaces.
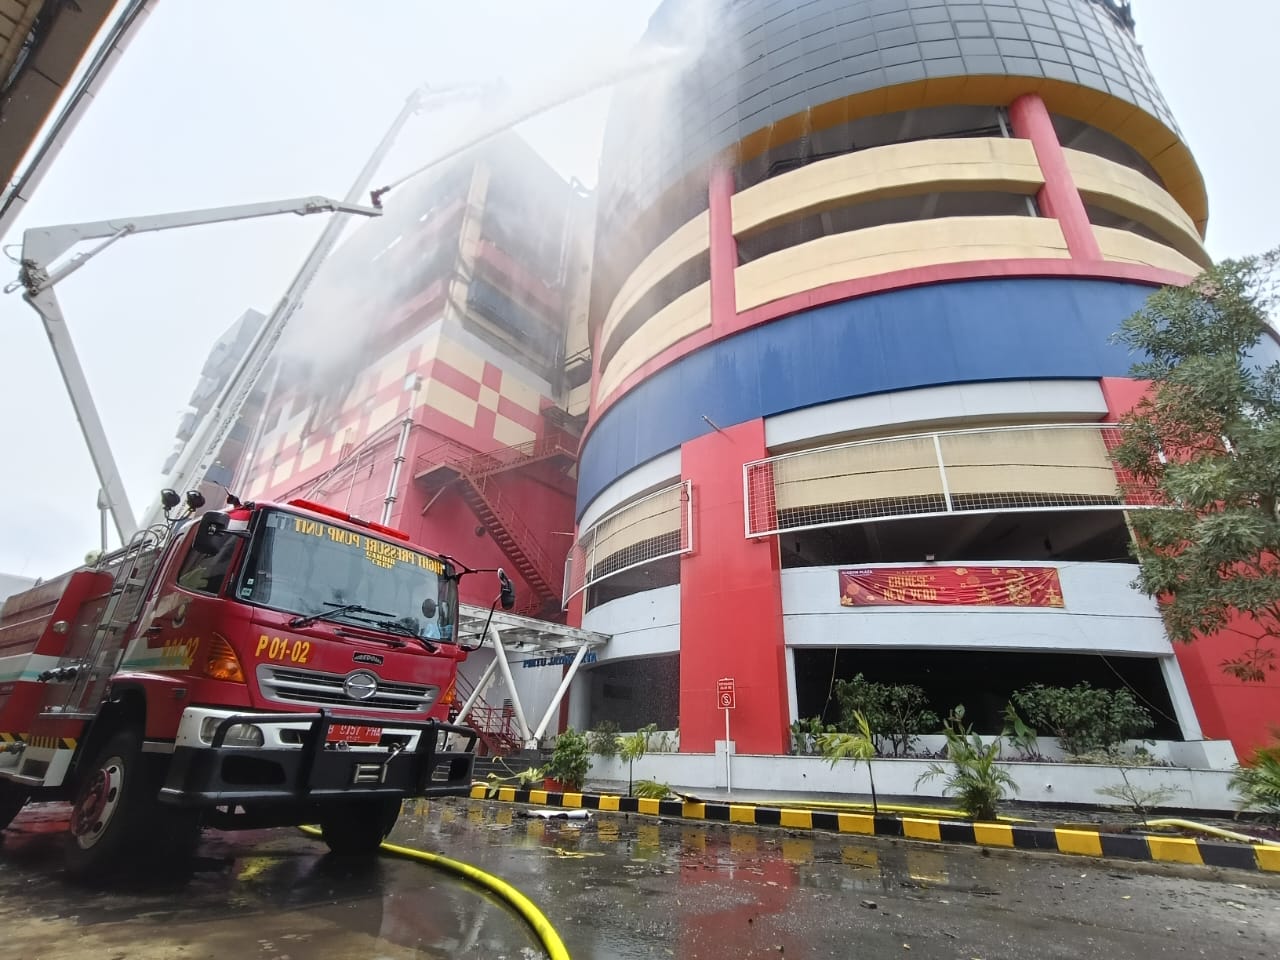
{"x":288,"y":685}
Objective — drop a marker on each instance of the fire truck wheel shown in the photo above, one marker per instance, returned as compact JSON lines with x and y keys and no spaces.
{"x":358,"y":827}
{"x":109,"y":813}
{"x":12,"y":799}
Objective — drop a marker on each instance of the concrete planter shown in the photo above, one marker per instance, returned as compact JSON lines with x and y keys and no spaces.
{"x":1052,"y":783}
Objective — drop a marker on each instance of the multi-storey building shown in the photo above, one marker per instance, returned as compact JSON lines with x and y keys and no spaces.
{"x":434,"y":336}
{"x":224,"y":356}
{"x":852,"y":392}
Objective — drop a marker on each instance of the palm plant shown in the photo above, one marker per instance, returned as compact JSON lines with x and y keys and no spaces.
{"x":974,"y":776}
{"x":631,"y":748}
{"x":857,"y":746}
{"x":1259,"y":782}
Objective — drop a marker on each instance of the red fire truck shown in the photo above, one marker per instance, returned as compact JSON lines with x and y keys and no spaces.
{"x":263,"y":665}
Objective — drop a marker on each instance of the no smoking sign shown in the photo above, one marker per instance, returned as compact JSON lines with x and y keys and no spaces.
{"x":726,"y":695}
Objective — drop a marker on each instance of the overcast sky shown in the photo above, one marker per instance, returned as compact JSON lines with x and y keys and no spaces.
{"x":247,"y":100}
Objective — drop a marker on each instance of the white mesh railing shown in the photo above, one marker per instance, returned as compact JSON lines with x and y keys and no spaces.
{"x":657,"y":526}
{"x":987,"y":470}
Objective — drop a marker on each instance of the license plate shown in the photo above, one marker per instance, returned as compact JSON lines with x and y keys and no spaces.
{"x":349,"y":733}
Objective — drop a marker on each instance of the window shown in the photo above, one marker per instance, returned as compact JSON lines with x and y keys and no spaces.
{"x":205,"y":573}
{"x":307,"y":567}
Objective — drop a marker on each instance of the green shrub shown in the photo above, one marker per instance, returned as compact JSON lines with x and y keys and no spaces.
{"x":603,"y":739}
{"x":570,"y":760}
{"x":1258,"y":781}
{"x":652,"y":789}
{"x":974,"y":776}
{"x":1084,"y":718}
{"x":897,"y":712}
{"x":1017,"y":732}
{"x":805,"y":733}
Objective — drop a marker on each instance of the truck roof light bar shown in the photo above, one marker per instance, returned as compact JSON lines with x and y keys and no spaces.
{"x":343,"y":515}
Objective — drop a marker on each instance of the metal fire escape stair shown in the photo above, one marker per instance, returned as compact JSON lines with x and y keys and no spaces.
{"x":494,"y":725}
{"x":474,"y":475}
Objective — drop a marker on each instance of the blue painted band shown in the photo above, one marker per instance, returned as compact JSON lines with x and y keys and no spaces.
{"x":972,"y":331}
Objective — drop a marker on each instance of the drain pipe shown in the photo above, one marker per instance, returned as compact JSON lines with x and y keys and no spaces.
{"x":406,"y":427}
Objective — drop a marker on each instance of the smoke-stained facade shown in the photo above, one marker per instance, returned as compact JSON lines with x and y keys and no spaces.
{"x":855,"y":274}
{"x":440,"y":330}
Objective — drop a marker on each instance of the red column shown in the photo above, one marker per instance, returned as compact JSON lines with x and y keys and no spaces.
{"x":730,"y":604}
{"x":724,"y":250}
{"x":1059,"y":197}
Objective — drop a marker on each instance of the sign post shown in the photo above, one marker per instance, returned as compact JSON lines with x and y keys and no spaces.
{"x":726,"y":700}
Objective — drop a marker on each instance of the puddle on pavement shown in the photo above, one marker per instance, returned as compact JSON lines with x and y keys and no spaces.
{"x":616,"y":886}
{"x":270,"y":893}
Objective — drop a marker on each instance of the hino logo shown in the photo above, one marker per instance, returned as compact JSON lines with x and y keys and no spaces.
{"x":368,"y":658}
{"x":360,"y":686}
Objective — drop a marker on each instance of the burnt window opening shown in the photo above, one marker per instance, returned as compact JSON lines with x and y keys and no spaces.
{"x":866,"y":133}
{"x":982,"y":681}
{"x":1075,"y":536}
{"x":688,"y":276}
{"x":863,"y":215}
{"x":638,"y":579}
{"x":1077,"y":135}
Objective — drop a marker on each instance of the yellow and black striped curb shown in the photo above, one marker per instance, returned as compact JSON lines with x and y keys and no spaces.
{"x":1088,"y":843}
{"x":46,"y":743}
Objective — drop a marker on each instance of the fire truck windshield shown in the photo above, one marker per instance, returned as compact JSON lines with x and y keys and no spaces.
{"x":305,"y":566}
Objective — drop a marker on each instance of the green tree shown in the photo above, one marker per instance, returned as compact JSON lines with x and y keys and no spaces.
{"x":1207,"y":439}
{"x":897,"y":712}
{"x":1084,"y":718}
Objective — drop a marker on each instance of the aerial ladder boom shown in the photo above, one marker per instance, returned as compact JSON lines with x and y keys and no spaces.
{"x":42,"y":246}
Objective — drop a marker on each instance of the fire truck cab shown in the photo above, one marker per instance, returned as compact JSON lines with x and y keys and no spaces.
{"x":265,"y":665}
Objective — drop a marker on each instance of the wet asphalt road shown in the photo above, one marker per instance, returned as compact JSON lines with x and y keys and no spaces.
{"x":619,"y":887}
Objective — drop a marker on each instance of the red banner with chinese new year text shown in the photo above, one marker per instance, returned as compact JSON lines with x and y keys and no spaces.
{"x":951,"y":586}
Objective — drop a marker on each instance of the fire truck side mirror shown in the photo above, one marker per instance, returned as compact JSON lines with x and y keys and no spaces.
{"x":209,"y":534}
{"x":508,"y":594}
{"x":169,"y":499}
{"x":195,"y":500}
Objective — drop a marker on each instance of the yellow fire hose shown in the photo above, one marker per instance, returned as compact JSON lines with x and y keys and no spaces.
{"x":940,"y":812}
{"x":1215,"y":831}
{"x":551,"y":941}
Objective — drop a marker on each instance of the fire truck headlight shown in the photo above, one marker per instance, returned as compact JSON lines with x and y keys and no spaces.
{"x":238,"y":735}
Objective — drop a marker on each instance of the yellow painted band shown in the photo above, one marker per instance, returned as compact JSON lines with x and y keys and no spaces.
{"x":921,"y":829}
{"x":741,"y":814}
{"x":993,"y":834}
{"x":537,"y":796}
{"x":572,"y":800}
{"x":695,"y":811}
{"x":1268,"y":858}
{"x":647,"y":805}
{"x":1084,"y":842}
{"x":479,"y":791}
{"x":1175,"y":850}
{"x":797,"y":819}
{"x":856,"y":823}
{"x":507,"y":793}
{"x":609,"y":803}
